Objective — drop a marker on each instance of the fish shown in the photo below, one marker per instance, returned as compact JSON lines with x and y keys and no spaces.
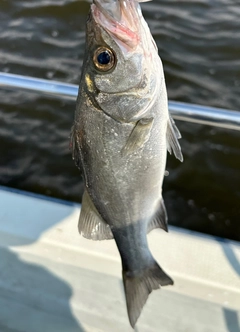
{"x":120,"y":136}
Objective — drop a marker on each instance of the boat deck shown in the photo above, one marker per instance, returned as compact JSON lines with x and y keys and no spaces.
{"x":51,"y":279}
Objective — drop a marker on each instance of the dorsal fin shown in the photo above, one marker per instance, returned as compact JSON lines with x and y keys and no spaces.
{"x":173,"y":134}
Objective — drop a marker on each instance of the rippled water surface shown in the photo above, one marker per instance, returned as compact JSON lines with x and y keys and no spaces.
{"x":199,"y":45}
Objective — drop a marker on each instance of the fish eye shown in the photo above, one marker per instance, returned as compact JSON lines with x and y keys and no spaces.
{"x":104,"y":59}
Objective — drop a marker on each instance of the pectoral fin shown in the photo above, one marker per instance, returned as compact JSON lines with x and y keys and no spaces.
{"x":160,"y":219}
{"x":91,"y":225}
{"x":173,"y":135}
{"x":138,"y":137}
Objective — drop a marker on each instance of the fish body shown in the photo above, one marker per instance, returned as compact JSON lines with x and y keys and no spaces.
{"x":120,"y":136}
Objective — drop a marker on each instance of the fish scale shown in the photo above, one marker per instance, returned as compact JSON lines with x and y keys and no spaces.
{"x":120,"y":137}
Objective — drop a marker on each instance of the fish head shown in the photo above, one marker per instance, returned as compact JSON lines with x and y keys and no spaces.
{"x":120,"y":58}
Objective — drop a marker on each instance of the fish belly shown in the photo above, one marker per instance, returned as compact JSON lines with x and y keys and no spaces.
{"x":124,"y":189}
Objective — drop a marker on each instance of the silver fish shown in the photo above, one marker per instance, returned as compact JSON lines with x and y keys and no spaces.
{"x":120,"y":137}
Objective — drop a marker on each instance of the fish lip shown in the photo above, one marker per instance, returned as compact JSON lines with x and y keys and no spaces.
{"x":121,"y":21}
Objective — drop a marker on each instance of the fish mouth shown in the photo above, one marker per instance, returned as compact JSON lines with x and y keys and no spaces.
{"x":121,"y":18}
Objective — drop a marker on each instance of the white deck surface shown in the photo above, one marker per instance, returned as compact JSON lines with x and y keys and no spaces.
{"x":51,"y":279}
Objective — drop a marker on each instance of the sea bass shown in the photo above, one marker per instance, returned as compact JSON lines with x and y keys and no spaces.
{"x":120,"y":137}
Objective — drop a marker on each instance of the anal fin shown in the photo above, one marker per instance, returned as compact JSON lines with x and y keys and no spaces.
{"x":173,"y":134}
{"x":91,"y":225}
{"x":160,"y":220}
{"x":138,"y":137}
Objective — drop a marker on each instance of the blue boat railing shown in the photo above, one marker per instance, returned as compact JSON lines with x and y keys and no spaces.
{"x":212,"y":116}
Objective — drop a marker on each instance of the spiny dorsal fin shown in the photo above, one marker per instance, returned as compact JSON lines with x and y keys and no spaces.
{"x":138,"y":137}
{"x":160,"y":219}
{"x":91,"y":225}
{"x":173,"y":134}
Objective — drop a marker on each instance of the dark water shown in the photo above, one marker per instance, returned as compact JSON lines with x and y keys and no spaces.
{"x":199,"y":43}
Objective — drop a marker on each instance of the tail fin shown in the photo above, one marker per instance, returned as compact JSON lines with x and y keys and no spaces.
{"x":138,"y":287}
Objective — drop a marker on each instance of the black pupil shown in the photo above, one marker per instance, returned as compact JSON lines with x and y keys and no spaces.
{"x":104,"y":58}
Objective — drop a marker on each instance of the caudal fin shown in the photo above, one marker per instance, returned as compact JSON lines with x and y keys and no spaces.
{"x":138,"y":287}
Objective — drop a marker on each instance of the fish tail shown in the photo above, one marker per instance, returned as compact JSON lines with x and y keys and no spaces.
{"x":138,"y":286}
